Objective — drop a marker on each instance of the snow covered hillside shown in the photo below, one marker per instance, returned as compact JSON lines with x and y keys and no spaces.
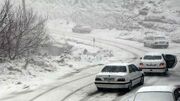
{"x":159,"y":15}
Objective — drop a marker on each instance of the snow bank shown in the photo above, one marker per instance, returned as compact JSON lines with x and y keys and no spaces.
{"x":175,"y":36}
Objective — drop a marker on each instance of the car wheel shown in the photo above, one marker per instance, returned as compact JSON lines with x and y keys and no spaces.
{"x":142,"y":80}
{"x":165,"y":73}
{"x":129,"y":86}
{"x":100,"y":89}
{"x":166,"y":46}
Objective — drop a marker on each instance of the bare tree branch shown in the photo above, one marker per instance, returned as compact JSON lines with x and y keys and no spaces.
{"x":20,"y":35}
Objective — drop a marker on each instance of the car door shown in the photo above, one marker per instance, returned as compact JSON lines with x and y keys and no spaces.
{"x":138,"y":74}
{"x":177,"y":94}
{"x":171,"y":60}
{"x":132,"y":74}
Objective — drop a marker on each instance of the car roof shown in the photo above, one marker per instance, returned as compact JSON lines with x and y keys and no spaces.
{"x":157,"y":89}
{"x":155,"y":36}
{"x":118,"y":64}
{"x":153,"y":53}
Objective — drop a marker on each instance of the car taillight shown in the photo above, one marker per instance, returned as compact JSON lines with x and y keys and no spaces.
{"x":162,"y":65}
{"x":121,"y":79}
{"x":98,"y":79}
{"x":141,"y":65}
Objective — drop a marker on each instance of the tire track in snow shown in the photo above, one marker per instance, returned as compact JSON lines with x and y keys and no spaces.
{"x":119,"y":95}
{"x":66,"y":97}
{"x":96,"y":94}
{"x":79,"y":89}
{"x":58,"y":86}
{"x":135,"y":58}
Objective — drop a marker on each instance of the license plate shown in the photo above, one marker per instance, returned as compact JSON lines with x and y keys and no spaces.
{"x":161,"y":42}
{"x":151,"y":65}
{"x":109,"y":79}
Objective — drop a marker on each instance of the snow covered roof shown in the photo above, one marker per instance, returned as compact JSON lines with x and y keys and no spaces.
{"x":157,"y":89}
{"x":153,"y":53}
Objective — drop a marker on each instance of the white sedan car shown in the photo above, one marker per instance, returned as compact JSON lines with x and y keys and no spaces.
{"x":157,"y":62}
{"x":156,"y":41}
{"x":121,"y":75}
{"x":158,"y":93}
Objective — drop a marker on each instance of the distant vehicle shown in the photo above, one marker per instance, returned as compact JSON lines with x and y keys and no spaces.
{"x":121,"y":75}
{"x":81,"y":29}
{"x":158,"y":93}
{"x":157,"y":62}
{"x":156,"y":41}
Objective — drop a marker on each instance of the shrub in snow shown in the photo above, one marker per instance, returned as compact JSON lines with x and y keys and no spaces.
{"x":131,"y":35}
{"x":97,"y":56}
{"x":144,"y":11}
{"x":160,"y":19}
{"x":159,"y":26}
{"x":21,"y":32}
{"x":175,"y":37}
{"x":154,"y":18}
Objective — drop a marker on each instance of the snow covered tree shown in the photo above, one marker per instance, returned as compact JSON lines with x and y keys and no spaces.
{"x":20,"y":34}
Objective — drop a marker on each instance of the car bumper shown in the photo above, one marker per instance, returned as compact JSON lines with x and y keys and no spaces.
{"x":160,"y":45}
{"x":111,"y":85}
{"x":151,"y":70}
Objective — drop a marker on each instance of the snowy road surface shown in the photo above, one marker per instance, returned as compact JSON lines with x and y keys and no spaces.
{"x":80,"y":86}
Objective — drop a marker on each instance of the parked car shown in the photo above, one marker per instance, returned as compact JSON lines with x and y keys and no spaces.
{"x":81,"y":29}
{"x":158,"y":93}
{"x":156,"y":41}
{"x":120,"y":75}
{"x":157,"y":62}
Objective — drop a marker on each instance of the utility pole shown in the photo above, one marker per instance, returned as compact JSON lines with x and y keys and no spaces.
{"x":24,"y":7}
{"x":94,"y":40}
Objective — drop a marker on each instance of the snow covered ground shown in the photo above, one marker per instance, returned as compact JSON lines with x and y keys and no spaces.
{"x":69,"y":54}
{"x":52,"y":65}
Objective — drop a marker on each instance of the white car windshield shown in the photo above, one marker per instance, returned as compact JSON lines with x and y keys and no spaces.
{"x":114,"y":69}
{"x":154,"y":96}
{"x":152,"y":57}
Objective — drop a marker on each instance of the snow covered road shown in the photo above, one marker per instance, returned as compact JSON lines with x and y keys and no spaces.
{"x":80,"y":86}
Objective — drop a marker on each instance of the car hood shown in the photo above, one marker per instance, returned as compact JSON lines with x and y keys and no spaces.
{"x":112,"y":74}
